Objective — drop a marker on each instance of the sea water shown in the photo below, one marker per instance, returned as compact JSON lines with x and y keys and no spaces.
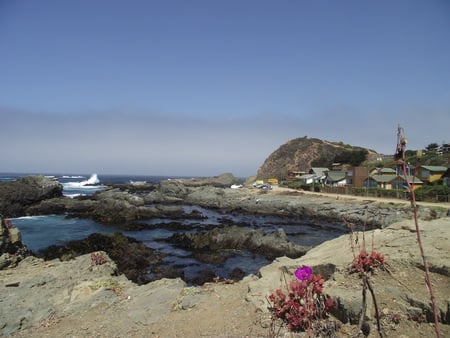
{"x":39,"y":232}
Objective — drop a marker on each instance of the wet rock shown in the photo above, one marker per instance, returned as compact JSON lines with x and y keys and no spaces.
{"x":204,"y":276}
{"x":132,"y":258}
{"x":237,"y":274}
{"x":269,"y":245}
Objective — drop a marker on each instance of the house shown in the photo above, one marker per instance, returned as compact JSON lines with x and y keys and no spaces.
{"x":307,"y":178}
{"x":391,"y":182}
{"x":319,"y":173}
{"x":336,"y":178}
{"x":379,"y":181}
{"x":414,"y":181}
{"x":383,"y":171}
{"x":388,"y":171}
{"x":431,"y":173}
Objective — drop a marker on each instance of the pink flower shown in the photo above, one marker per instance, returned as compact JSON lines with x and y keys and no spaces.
{"x":303,"y":273}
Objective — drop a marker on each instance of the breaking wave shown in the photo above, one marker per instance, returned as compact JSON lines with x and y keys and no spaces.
{"x":79,"y":188}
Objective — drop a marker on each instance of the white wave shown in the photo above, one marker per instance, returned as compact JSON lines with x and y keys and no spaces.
{"x":91,"y":182}
{"x":93,"y":179}
{"x":137,"y":182}
{"x":29,"y":217}
{"x":73,"y":195}
{"x":65,"y":176}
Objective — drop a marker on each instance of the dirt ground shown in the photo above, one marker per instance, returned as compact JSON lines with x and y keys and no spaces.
{"x":350,"y":198}
{"x":226,"y":313}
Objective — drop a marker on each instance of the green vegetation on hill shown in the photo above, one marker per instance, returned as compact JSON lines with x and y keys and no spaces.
{"x":353,"y":157}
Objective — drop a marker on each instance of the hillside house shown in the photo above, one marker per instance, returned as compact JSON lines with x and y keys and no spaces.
{"x":307,"y":178}
{"x":319,"y":173}
{"x":391,"y":182}
{"x":431,"y":173}
{"x":388,"y":172}
{"x":383,"y":171}
{"x":336,"y":178}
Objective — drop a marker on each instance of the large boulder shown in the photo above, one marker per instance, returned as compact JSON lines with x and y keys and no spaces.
{"x":17,"y":196}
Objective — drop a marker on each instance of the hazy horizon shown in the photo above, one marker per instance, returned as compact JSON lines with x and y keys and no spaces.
{"x":200,"y":88}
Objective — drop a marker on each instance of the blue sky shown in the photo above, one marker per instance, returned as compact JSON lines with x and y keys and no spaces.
{"x":198,"y":87}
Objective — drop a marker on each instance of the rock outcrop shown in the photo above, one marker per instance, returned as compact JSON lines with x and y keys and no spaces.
{"x":269,"y":245}
{"x":17,"y":196}
{"x":301,"y":154}
{"x":39,"y":292}
{"x":12,"y":249}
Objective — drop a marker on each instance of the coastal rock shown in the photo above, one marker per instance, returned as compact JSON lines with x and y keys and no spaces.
{"x":17,"y":196}
{"x":220,"y":181}
{"x":181,"y":187}
{"x":400,"y":286}
{"x":133,"y":259}
{"x":40,"y":293}
{"x":12,"y":250}
{"x":269,"y":245}
{"x":122,"y":205}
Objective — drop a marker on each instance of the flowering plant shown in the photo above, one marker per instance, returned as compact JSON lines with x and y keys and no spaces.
{"x":303,"y":273}
{"x":365,"y":262}
{"x":304,"y":303}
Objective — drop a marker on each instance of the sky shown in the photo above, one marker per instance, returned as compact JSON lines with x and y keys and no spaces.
{"x":204,"y":87}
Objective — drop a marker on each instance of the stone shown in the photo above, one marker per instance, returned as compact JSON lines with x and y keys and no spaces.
{"x":270,"y":245}
{"x":17,"y":196}
{"x":15,"y":236}
{"x":12,"y":250}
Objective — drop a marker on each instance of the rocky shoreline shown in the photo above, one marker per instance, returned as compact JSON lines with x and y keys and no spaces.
{"x":67,"y":289}
{"x":124,"y":203}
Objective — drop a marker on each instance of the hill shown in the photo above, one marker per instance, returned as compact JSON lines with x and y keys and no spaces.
{"x":303,"y":153}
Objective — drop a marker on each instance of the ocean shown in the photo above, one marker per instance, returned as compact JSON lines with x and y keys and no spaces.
{"x":39,"y":232}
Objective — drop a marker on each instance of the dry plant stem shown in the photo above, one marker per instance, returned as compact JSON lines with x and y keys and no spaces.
{"x":422,"y":253}
{"x":363,"y":310}
{"x":367,"y":285}
{"x":377,"y":314}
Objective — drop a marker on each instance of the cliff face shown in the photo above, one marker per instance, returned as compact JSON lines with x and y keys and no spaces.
{"x":303,"y":153}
